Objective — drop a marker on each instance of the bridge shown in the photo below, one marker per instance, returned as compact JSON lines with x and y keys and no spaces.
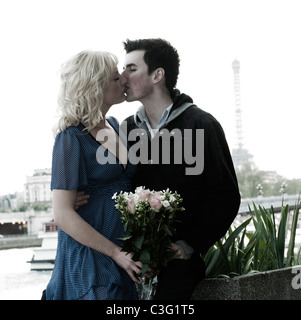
{"x":276,"y":201}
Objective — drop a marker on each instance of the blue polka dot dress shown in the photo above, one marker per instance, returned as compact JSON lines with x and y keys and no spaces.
{"x":79,"y":271}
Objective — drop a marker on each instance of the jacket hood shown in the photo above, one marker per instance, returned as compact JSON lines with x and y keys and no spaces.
{"x":180,"y":98}
{"x":181,"y":102}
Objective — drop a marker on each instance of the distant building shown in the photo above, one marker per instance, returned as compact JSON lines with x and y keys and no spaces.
{"x":11,"y":202}
{"x":26,"y":212}
{"x":37,"y":187}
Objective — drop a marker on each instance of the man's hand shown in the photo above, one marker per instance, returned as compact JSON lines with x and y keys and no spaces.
{"x":179,"y":252}
{"x":81,"y":199}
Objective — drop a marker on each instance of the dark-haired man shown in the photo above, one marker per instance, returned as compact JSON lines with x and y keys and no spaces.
{"x":200,"y":167}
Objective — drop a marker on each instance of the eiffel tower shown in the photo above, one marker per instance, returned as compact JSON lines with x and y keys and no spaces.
{"x":240,"y":155}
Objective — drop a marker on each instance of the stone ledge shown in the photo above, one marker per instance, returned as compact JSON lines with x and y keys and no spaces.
{"x":270,"y":285}
{"x":20,"y":242}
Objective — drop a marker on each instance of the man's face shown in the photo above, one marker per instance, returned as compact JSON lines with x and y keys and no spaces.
{"x":139,"y":82}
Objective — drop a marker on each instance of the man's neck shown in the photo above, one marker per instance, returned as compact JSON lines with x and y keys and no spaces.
{"x":155,"y":106}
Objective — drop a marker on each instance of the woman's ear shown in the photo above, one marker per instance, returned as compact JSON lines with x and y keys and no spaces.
{"x":158,"y":75}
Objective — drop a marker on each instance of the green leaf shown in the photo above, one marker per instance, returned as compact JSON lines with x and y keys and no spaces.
{"x":167,"y":230}
{"x":298,"y":258}
{"x":214,"y":264}
{"x":235,"y":233}
{"x":144,"y":268}
{"x":239,"y":260}
{"x":218,"y":257}
{"x":291,"y":246}
{"x":281,"y":236}
{"x":125,"y":238}
{"x":224,"y":256}
{"x":144,"y":257}
{"x":138,"y":242}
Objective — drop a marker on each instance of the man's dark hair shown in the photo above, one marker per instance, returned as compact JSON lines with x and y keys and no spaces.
{"x":159,"y":53}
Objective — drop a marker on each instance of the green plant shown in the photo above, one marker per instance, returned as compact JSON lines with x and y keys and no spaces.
{"x":217,"y":258}
{"x":240,"y":252}
{"x":270,"y":245}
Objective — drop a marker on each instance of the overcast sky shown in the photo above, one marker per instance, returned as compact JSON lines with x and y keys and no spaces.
{"x":37,"y":36}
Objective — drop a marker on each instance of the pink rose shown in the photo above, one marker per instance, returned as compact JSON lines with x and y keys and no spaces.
{"x":131,"y":204}
{"x":144,"y":194}
{"x":155,"y":202}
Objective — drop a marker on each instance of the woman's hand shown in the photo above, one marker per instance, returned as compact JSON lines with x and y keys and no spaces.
{"x":124,"y":260}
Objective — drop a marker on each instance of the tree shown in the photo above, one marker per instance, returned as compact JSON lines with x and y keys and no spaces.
{"x":249,"y":177}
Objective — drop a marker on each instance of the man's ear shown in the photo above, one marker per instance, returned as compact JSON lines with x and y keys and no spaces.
{"x":158,"y":75}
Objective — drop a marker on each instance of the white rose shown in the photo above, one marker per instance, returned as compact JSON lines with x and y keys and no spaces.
{"x":165,"y":203}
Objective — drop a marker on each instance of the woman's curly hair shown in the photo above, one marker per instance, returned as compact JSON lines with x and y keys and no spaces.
{"x":84,"y":80}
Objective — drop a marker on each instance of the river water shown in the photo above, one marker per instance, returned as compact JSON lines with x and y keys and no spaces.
{"x":17,"y":282}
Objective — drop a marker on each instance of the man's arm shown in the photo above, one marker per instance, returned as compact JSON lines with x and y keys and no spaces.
{"x":81,"y":199}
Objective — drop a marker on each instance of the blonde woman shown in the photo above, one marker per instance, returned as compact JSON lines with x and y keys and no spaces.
{"x":89,"y":263}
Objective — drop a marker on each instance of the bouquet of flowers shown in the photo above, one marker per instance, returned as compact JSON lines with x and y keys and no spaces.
{"x":149,"y":218}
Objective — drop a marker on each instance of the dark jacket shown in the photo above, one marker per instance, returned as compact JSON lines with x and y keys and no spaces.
{"x":211,"y":199}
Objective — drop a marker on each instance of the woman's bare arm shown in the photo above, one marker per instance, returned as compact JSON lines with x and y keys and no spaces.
{"x":66,"y":218}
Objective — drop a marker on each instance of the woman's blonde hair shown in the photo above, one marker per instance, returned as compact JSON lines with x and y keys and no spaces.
{"x":84,"y":79}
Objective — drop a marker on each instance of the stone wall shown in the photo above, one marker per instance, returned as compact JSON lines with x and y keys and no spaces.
{"x":282,"y":284}
{"x":20,"y":242}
